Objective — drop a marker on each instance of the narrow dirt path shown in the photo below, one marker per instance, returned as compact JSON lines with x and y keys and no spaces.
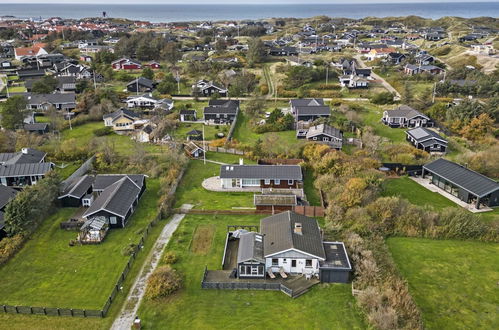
{"x":129,"y":311}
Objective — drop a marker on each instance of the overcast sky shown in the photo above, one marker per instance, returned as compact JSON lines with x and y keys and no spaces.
{"x":230,"y":1}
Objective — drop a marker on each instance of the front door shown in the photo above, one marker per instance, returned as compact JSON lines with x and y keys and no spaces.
{"x":293,"y":266}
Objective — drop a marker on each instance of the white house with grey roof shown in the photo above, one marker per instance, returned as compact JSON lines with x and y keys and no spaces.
{"x":287,"y":243}
{"x":262,"y":176}
{"x":405,"y":116}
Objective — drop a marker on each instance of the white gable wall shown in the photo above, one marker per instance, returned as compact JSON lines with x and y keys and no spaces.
{"x":294,"y":262}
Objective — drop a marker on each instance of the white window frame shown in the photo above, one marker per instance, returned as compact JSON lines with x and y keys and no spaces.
{"x":277,"y":181}
{"x":290,"y":182}
{"x":267,"y":181}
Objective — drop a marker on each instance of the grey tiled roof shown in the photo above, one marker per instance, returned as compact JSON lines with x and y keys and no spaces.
{"x":306,"y":107}
{"x":6,"y":194}
{"x":120,"y":112}
{"x":142,"y":81}
{"x":474,"y":182}
{"x":24,"y":169}
{"x":102,"y":181}
{"x":307,"y":102}
{"x":29,"y":156}
{"x":79,"y":187}
{"x":250,"y":247}
{"x":422,"y":134}
{"x":322,"y":110}
{"x":324,"y":129}
{"x":279,"y":172}
{"x":36,"y":127}
{"x":279,"y":235}
{"x":116,"y":199}
{"x":222,"y":110}
{"x":224,"y":103}
{"x":404,"y":111}
{"x":57,"y":98}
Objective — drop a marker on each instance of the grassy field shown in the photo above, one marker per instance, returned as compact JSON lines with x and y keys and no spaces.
{"x":227,"y":158}
{"x":419,"y":195}
{"x":454,"y":283}
{"x":371,"y":116}
{"x":191,"y":191}
{"x":124,"y":145}
{"x":53,"y":274}
{"x":243,"y":133}
{"x":324,"y":307}
{"x":69,"y":168}
{"x":209,"y":130}
{"x":311,"y":192}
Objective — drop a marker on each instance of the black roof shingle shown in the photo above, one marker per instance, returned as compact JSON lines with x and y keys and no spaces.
{"x":474,"y":182}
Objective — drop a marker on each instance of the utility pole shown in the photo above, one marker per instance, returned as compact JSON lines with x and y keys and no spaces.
{"x":95,"y":83}
{"x":434,"y":91}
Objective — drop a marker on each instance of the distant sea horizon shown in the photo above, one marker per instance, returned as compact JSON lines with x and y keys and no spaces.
{"x":218,"y":12}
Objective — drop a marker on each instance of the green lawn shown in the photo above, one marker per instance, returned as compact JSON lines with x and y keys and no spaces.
{"x":191,"y":105}
{"x":191,"y":191}
{"x":227,"y":158}
{"x":65,"y":172}
{"x":419,"y":195}
{"x":324,"y":307}
{"x":371,"y":116}
{"x":454,"y":283}
{"x":313,"y":195}
{"x":243,"y":133}
{"x":53,"y":274}
{"x":210,"y":131}
{"x":124,"y":144}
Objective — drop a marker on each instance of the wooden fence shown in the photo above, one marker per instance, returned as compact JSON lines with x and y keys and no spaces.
{"x":228,"y":212}
{"x":309,"y":211}
{"x":225,"y":150}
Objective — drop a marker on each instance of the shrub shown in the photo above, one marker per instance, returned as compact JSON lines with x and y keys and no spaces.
{"x":169,"y":258}
{"x":9,"y":246}
{"x":382,"y":98}
{"x":128,"y":250}
{"x":102,"y":131}
{"x":163,"y":282}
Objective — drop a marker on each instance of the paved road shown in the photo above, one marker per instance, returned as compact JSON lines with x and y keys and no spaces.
{"x":129,"y":311}
{"x":378,"y":78}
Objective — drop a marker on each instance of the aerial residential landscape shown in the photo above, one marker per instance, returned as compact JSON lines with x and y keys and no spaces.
{"x":265,"y":166}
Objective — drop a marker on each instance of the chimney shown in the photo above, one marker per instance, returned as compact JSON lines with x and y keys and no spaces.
{"x":298,"y":228}
{"x":241,"y":161}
